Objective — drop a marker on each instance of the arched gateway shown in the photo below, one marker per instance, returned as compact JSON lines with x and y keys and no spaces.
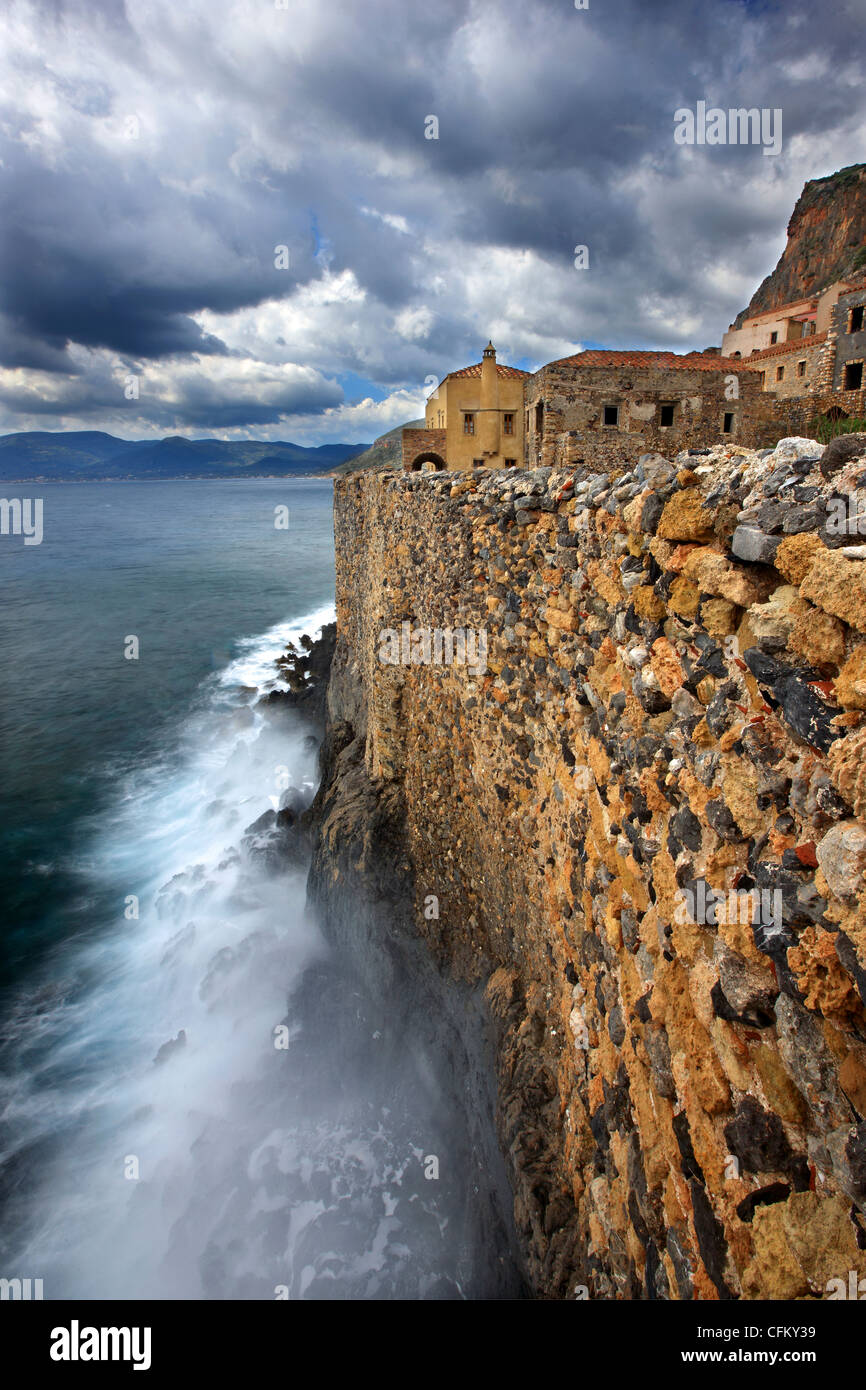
{"x":435,"y":462}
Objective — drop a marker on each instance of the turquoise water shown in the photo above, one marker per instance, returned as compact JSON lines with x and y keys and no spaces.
{"x":190,"y":568}
{"x":142,"y":911}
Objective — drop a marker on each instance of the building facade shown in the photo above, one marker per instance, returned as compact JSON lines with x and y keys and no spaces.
{"x":473,"y":419}
{"x":608,"y":406}
{"x":821,"y":376}
{"x":789,"y":323}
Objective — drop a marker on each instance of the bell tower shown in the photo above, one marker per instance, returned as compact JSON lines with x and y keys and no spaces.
{"x":489,"y":410}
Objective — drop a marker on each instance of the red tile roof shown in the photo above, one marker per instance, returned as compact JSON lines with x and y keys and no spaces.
{"x":475,"y":370}
{"x":610,"y":357}
{"x":779,"y":349}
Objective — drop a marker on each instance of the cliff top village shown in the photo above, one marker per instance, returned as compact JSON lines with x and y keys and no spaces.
{"x":777,"y":373}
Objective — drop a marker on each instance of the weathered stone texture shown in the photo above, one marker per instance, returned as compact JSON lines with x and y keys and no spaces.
{"x":678,"y":1091}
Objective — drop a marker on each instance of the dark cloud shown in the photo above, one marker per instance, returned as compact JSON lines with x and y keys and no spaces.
{"x":154,"y":158}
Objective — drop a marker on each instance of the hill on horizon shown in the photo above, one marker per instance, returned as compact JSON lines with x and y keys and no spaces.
{"x":78,"y":455}
{"x":384,"y":452}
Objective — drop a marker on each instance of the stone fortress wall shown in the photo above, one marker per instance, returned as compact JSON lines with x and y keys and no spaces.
{"x":643,"y":827}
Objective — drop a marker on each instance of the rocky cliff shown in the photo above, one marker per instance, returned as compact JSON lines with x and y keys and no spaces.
{"x":618,"y":856}
{"x":826,"y":241}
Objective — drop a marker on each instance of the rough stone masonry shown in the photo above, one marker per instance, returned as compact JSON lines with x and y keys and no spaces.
{"x":674,"y":707}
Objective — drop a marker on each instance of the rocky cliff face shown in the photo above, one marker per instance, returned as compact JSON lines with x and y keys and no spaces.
{"x":621,"y":869}
{"x":826,"y":241}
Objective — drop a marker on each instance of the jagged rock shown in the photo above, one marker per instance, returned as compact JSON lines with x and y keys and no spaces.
{"x":757,"y":1138}
{"x":809,"y":1062}
{"x":840,"y":450}
{"x":799,"y":702}
{"x":754,"y":545}
{"x":847,"y":762}
{"x":746,"y":986}
{"x":842,"y":857}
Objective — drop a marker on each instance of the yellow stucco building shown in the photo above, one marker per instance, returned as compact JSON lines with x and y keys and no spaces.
{"x":473,"y":419}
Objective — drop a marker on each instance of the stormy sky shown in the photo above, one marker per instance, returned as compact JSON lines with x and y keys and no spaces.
{"x":156,"y":154}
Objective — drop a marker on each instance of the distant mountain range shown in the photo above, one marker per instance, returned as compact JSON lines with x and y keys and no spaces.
{"x":91,"y":454}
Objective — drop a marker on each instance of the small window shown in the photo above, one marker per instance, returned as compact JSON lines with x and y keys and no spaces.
{"x":468,"y":424}
{"x":539,"y":418}
{"x":666,"y":416}
{"x":477,"y":463}
{"x":801,"y":369}
{"x":611,"y":415}
{"x":774,"y":338}
{"x":728,"y":423}
{"x":856,"y":324}
{"x":508,"y":422}
{"x":780,"y":373}
{"x":511,"y":463}
{"x":853,"y":376}
{"x":762,"y":377}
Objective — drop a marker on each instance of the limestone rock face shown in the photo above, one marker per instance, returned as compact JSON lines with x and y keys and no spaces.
{"x":827,"y":224}
{"x":627,"y":815}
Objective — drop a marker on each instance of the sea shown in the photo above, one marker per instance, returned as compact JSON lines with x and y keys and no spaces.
{"x":190,"y":1103}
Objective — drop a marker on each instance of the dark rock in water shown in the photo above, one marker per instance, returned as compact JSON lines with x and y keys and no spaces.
{"x":265,"y":822}
{"x":294,"y":800}
{"x":277,"y":841}
{"x":309,"y":691}
{"x":170,"y":1047}
{"x":840,"y":451}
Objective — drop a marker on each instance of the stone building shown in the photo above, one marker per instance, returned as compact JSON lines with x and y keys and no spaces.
{"x":846,"y":340}
{"x":821,"y":377}
{"x":791,"y":368}
{"x":608,"y":406}
{"x":473,"y":418}
{"x":789,"y":323}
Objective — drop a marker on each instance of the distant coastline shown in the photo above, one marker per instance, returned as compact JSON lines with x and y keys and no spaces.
{"x":41,"y":456}
{"x":181,"y":478}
